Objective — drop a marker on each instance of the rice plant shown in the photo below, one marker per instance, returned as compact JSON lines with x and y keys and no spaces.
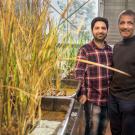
{"x":29,"y":60}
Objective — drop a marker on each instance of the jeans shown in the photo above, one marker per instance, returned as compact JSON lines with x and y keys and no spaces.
{"x":122,"y":116}
{"x":96,"y":119}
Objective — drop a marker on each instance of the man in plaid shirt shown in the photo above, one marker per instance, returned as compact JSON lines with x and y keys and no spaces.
{"x":95,"y":80}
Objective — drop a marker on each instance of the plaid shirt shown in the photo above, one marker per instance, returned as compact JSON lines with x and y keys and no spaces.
{"x":95,"y":80}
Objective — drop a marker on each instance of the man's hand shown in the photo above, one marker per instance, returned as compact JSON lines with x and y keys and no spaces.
{"x":82,"y":99}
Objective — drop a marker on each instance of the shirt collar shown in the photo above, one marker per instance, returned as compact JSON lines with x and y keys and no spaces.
{"x":92,"y":43}
{"x":129,"y":39}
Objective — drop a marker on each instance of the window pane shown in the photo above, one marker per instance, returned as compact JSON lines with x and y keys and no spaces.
{"x":77,"y":19}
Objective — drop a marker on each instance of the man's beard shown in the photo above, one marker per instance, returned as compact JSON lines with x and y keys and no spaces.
{"x":99,"y":39}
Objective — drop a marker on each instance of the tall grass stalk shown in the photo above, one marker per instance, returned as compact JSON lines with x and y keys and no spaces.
{"x":29,"y":60}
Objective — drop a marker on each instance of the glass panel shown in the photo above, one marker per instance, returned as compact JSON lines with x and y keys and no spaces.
{"x":77,"y":18}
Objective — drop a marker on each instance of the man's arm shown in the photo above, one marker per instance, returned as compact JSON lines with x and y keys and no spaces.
{"x":80,"y":75}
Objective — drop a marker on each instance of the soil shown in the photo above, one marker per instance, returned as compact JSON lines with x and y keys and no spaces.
{"x":8,"y":131}
{"x":70,"y":91}
{"x":53,"y":116}
{"x":65,"y":91}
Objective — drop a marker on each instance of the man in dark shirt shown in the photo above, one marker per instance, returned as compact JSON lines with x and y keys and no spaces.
{"x":122,"y":93}
{"x":95,"y":80}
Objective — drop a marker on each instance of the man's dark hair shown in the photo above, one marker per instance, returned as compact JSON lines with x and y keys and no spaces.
{"x":128,"y":12}
{"x":102,"y":19}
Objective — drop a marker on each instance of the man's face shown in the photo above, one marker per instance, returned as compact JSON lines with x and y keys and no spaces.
{"x":99,"y":31}
{"x":126,"y":26}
